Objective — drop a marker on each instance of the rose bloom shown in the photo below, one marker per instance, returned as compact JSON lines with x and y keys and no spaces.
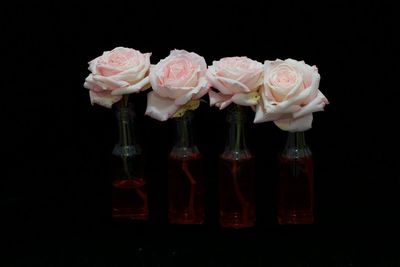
{"x":176,"y":80}
{"x":237,"y":79}
{"x":115,"y":73}
{"x":290,"y":95}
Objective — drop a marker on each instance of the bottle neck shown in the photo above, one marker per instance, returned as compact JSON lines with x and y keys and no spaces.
{"x":125,"y":117}
{"x":185,"y":142}
{"x":236,"y":141}
{"x":296,"y":145}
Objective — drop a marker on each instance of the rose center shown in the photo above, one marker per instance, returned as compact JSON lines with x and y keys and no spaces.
{"x":284,"y":78}
{"x":177,"y":70}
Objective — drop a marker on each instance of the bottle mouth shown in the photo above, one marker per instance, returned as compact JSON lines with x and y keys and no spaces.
{"x":236,"y":113}
{"x":187,"y":116}
{"x":125,"y":112}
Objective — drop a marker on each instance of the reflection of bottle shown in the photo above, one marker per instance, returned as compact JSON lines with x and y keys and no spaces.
{"x":295,"y":185}
{"x":236,"y":175}
{"x":185,"y":176}
{"x":129,"y":195}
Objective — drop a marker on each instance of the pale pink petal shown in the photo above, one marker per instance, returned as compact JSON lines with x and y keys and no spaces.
{"x":164,"y":91}
{"x":160,"y":108}
{"x":104,"y":98}
{"x":269,"y":112}
{"x":105,"y":70}
{"x":303,"y":96}
{"x":305,"y":69}
{"x":252,"y":80}
{"x":314,"y":85}
{"x":92,"y":65}
{"x":132,"y":88}
{"x":92,"y":85}
{"x":193,"y":57}
{"x":109,"y":82}
{"x":315,"y":105}
{"x":203,"y":90}
{"x":266,"y":90}
{"x":224,"y":104}
{"x":200,"y":88}
{"x":134,"y":74}
{"x":249,"y":99}
{"x":295,"y":125}
{"x":226,"y":86}
{"x":296,"y":90}
{"x":219,"y":100}
{"x":260,"y":114}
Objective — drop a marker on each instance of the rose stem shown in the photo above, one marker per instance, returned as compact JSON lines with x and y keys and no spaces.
{"x":185,"y":169}
{"x":140,"y":193}
{"x":123,"y":104}
{"x":242,"y":200}
{"x":192,"y":186}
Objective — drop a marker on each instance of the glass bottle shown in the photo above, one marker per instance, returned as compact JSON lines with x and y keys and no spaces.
{"x":129,"y":193}
{"x":295,"y":184}
{"x":185,"y":176}
{"x":236,"y":175}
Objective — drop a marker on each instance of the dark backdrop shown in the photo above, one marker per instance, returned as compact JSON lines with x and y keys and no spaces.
{"x":55,"y":186}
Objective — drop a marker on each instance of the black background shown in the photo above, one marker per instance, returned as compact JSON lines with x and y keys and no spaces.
{"x":55,"y":194}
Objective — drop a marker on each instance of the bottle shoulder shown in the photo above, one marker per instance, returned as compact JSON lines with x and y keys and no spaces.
{"x":296,"y":152}
{"x":129,"y":151}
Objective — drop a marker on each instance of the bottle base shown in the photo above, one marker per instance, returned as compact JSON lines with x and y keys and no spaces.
{"x":129,"y":214}
{"x":235,"y":221}
{"x":296,"y":217}
{"x":185,"y":219}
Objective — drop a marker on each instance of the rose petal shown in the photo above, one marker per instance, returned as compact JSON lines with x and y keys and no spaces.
{"x":269,"y":112}
{"x":110,"y":83}
{"x":104,"y":98}
{"x":301,"y":98}
{"x":200,"y":88}
{"x":219,"y":100}
{"x":132,"y":88}
{"x":160,"y":108}
{"x":315,"y":105}
{"x":254,"y":79}
{"x":226,"y":86}
{"x":305,"y":69}
{"x":92,"y":65}
{"x":295,"y":125}
{"x":164,"y":91}
{"x":133,"y":75}
{"x":260,"y":114}
{"x":193,"y":57}
{"x":92,"y":85}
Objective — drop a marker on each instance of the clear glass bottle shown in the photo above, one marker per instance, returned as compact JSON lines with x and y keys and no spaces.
{"x":185,"y":176}
{"x":295,"y":184}
{"x":129,"y":192}
{"x":236,"y":175}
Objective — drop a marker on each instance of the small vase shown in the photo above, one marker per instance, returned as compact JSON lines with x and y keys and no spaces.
{"x":185,"y":176}
{"x":129,"y":193}
{"x":236,"y":175}
{"x":295,"y":184}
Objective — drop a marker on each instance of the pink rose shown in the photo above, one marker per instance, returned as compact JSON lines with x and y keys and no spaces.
{"x":237,"y":79}
{"x":290,"y":95}
{"x":115,"y":73}
{"x":176,"y":80}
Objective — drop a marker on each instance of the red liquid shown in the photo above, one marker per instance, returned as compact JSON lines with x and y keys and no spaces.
{"x":236,"y":192}
{"x":295,"y":191}
{"x":129,"y":199}
{"x":186,"y":190}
